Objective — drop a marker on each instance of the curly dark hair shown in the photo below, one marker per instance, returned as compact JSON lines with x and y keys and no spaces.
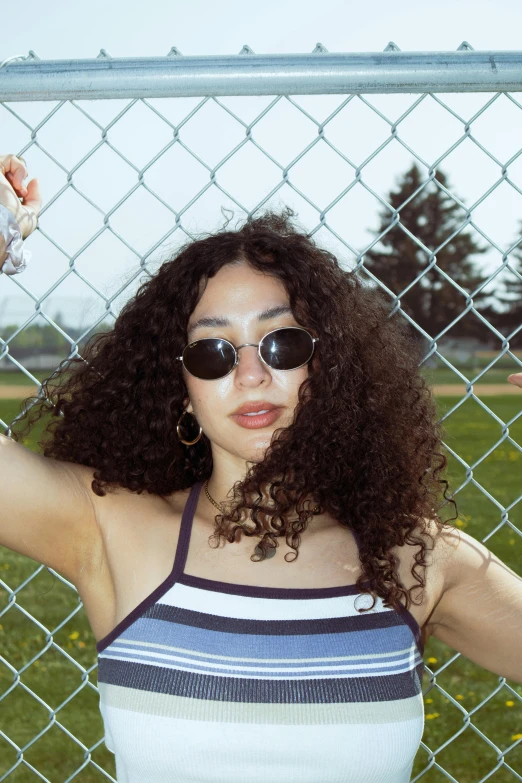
{"x":364,"y":441}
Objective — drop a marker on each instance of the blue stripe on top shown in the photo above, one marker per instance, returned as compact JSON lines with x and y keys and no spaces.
{"x":200,"y":655}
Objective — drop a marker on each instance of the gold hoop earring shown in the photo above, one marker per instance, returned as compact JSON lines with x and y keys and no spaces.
{"x":188,"y":442}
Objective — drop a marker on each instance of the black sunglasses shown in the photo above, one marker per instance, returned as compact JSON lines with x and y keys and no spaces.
{"x":287,"y":348}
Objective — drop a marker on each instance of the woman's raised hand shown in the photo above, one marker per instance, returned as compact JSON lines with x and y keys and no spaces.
{"x":516,"y":379}
{"x":13,"y":172}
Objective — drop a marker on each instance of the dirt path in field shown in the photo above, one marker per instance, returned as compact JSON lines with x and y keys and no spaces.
{"x":17,"y":392}
{"x":442,"y":390}
{"x":479,"y":389}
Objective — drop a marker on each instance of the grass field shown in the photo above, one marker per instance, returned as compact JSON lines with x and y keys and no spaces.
{"x":63,"y":679}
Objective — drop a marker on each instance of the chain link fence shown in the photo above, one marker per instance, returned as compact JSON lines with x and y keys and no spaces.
{"x":139,"y":154}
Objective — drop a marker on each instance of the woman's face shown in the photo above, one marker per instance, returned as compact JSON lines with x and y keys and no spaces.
{"x":239,"y":295}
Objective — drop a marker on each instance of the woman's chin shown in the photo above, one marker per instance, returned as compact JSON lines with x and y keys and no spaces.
{"x":256,"y":455}
{"x":255,"y":452}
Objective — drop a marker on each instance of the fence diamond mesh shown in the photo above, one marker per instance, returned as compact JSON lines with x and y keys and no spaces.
{"x":132,"y":168}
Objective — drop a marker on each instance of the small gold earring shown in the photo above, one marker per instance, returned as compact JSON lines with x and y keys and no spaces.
{"x":188,"y":442}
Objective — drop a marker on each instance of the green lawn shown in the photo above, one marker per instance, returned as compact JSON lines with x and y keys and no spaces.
{"x":444,"y":375}
{"x":60,"y":673}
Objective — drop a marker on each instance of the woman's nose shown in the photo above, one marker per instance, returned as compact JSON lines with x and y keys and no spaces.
{"x":250,"y":369}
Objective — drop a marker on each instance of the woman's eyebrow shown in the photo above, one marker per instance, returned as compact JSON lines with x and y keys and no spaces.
{"x":218,"y":320}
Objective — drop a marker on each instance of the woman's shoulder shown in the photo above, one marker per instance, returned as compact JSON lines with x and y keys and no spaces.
{"x":117,"y":496}
{"x":439,"y":543}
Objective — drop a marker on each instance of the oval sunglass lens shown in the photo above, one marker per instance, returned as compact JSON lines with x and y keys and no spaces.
{"x":286,"y":349}
{"x":209,"y":358}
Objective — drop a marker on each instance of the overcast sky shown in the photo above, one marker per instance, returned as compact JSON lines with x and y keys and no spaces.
{"x":60,"y":30}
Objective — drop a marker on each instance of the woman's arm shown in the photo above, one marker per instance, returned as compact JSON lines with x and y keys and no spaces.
{"x":3,"y":254}
{"x":480,"y":611}
{"x":47,"y":510}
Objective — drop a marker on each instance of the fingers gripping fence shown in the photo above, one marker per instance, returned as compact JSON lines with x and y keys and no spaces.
{"x":214,"y":88}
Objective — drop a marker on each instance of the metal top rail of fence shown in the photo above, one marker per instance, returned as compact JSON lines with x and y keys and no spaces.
{"x":247,"y":73}
{"x":30,"y":79}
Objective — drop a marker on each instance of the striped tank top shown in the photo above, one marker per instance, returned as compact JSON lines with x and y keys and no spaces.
{"x":214,"y":682}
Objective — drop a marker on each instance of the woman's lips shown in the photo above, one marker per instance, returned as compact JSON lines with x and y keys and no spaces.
{"x":255,"y":422}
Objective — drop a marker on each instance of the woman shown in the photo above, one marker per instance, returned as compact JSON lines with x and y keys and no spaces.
{"x":253,"y":377}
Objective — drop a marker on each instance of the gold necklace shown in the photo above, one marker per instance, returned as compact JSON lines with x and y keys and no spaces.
{"x":270,"y":552}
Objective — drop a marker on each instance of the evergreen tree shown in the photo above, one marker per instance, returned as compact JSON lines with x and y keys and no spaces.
{"x":511,"y":318}
{"x":431,"y":216}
